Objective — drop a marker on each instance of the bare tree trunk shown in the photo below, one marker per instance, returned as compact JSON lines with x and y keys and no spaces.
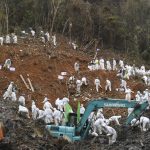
{"x":64,"y":28}
{"x":55,"y":13}
{"x":7,"y":20}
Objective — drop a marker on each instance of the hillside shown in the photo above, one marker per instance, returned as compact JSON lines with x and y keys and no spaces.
{"x":43,"y":64}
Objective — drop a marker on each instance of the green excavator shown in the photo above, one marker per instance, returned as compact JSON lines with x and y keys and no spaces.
{"x":80,"y":131}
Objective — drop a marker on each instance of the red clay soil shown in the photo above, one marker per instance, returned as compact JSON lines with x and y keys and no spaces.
{"x":43,"y":64}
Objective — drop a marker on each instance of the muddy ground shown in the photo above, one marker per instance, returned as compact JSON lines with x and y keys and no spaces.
{"x":25,"y":134}
{"x":43,"y":63}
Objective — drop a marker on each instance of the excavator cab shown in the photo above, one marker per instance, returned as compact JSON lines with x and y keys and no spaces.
{"x":72,"y":119}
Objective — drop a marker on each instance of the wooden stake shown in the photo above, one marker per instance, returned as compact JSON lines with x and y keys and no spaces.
{"x":22,"y":78}
{"x":32,"y":89}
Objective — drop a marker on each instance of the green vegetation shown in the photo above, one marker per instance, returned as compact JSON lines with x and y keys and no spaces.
{"x":122,"y":25}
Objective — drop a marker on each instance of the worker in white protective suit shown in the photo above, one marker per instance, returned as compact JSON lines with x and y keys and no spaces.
{"x":7,"y":39}
{"x":98,"y":126}
{"x":7,"y":64}
{"x":142,"y":70}
{"x":23,"y":111}
{"x":145,"y":95}
{"x":23,"y":33}
{"x":108,"y":65}
{"x":34,"y":111}
{"x":65,"y":100}
{"x":32,"y":33}
{"x":133,"y":70}
{"x":59,"y":104}
{"x":145,"y":79}
{"x":144,"y":123}
{"x":108,"y":85}
{"x":102,"y":64}
{"x":57,"y":117}
{"x":47,"y":104}
{"x":75,"y":46}
{"x":54,"y":39}
{"x":142,"y":98}
{"x":43,"y":39}
{"x":14,"y":39}
{"x":71,"y":79}
{"x":138,"y":97}
{"x":7,"y":95}
{"x":41,"y":33}
{"x":84,"y":81}
{"x":99,"y":114}
{"x":114,"y":64}
{"x":78,"y":83}
{"x":121,"y":63}
{"x":110,"y":132}
{"x":115,"y":119}
{"x":128,"y":94}
{"x":9,"y":91}
{"x":82,"y":109}
{"x":135,"y":122}
{"x":13,"y":97}
{"x":130,"y":70}
{"x":91,"y":65}
{"x":92,"y":119}
{"x":120,"y":73}
{"x":48,"y":115}
{"x":92,"y":116}
{"x":97,"y":84}
{"x":76,"y":66}
{"x":40,"y":114}
{"x":21,"y":100}
{"x":123,"y":84}
{"x":126,"y":75}
{"x":47,"y":37}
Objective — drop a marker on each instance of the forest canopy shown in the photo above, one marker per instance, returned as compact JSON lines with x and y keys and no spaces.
{"x":122,"y":25}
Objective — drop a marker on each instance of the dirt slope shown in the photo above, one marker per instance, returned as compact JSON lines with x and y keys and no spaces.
{"x":43,"y":64}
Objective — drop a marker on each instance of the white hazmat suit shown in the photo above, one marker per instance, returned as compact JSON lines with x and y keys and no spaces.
{"x":144,"y":123}
{"x":21,"y":100}
{"x":108,"y":85}
{"x":111,"y":133}
{"x":57,"y":116}
{"x":97,"y":84}
{"x":23,"y":110}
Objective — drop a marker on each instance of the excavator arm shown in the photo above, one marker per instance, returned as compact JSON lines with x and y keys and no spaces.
{"x":111,"y":103}
{"x":72,"y":133}
{"x":103,"y":103}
